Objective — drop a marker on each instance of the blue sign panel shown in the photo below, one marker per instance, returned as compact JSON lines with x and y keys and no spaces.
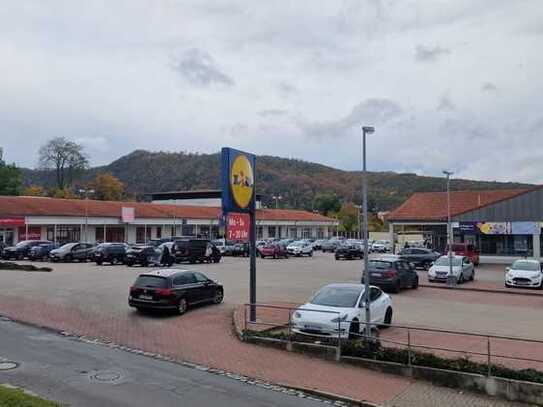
{"x":525,"y":228}
{"x":238,"y":181}
{"x":468,"y":228}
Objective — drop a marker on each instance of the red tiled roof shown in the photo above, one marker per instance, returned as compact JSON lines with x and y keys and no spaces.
{"x":41,"y":206}
{"x":432,"y":206}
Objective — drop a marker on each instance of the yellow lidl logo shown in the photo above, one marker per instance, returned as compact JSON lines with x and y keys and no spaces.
{"x":242,"y":181}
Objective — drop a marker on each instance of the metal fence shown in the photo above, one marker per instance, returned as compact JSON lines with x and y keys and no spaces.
{"x":484,"y":349}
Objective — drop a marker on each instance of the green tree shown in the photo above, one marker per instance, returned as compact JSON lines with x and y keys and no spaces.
{"x":348,"y":217}
{"x":10,"y":179}
{"x":65,"y":157}
{"x":326,"y":203}
{"x":34,"y":190}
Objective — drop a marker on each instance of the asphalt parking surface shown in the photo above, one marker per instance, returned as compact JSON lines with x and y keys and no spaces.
{"x":104,"y":288}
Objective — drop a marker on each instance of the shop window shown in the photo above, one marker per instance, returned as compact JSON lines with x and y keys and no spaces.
{"x":113,"y":234}
{"x":158,"y":232}
{"x":141,"y":232}
{"x":306,"y":233}
{"x":34,"y":233}
{"x":271,"y":231}
{"x":259,"y":232}
{"x":65,"y":233}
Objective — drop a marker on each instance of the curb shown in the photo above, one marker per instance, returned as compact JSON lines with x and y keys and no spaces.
{"x":482,"y":290}
{"x":301,"y":392}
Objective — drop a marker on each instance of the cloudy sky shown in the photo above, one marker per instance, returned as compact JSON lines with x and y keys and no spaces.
{"x":452,"y":84}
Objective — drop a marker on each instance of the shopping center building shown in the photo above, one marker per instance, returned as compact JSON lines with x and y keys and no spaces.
{"x":72,"y":220}
{"x":502,"y":224}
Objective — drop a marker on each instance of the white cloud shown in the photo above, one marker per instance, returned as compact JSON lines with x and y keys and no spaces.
{"x":283,"y":79}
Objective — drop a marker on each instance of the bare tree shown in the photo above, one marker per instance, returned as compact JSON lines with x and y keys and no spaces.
{"x":65,"y":157}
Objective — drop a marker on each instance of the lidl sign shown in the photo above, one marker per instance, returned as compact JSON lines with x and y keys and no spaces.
{"x":238,"y":181}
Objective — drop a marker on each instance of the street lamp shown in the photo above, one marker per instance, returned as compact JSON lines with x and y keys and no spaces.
{"x":86,"y":192}
{"x":451,"y":279}
{"x":277,"y":199}
{"x":366,"y":272}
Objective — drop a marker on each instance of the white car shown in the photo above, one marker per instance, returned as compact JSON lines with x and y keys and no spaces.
{"x":300,"y":248}
{"x":381,"y":246}
{"x":337,"y":310}
{"x":524,"y":273}
{"x":462,"y":268}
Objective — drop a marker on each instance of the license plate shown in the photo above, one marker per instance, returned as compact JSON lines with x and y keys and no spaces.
{"x":146,"y":297}
{"x":313,"y":327}
{"x":376,"y":274}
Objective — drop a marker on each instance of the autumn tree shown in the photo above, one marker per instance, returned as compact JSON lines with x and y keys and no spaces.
{"x":65,"y":157}
{"x":348,"y":217}
{"x":107,"y":187}
{"x":34,"y":190}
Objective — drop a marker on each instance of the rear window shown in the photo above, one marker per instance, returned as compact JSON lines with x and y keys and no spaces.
{"x":151,"y":281}
{"x":379,"y":265}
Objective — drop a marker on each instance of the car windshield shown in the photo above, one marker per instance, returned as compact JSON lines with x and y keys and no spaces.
{"x":444,"y":261}
{"x":67,"y":246}
{"x":526,"y":265}
{"x":23,"y":243}
{"x":379,"y":265}
{"x":337,"y":296}
{"x":296,"y":244}
{"x":151,"y":281}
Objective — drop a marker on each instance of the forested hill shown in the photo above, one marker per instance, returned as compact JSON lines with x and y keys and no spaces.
{"x":296,"y":181}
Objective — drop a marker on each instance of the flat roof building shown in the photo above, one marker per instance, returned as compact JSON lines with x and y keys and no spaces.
{"x":71,"y":220}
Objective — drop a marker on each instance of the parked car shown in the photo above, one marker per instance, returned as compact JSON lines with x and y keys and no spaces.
{"x":143,"y":255}
{"x":22,"y":249}
{"x":349,"y":251}
{"x":229,"y":247}
{"x":524,"y":273}
{"x":392,"y":273}
{"x":381,"y":246}
{"x":419,"y":257}
{"x":220,"y":244}
{"x":240,"y":249}
{"x":113,"y":253}
{"x":330,"y":245}
{"x":317,"y":244}
{"x":465,"y":249}
{"x":158,"y":242}
{"x":173,"y":289}
{"x":41,"y":252}
{"x":462,"y":268}
{"x":73,"y":251}
{"x":342,"y":308}
{"x":274,"y":250}
{"x":300,"y":248}
{"x":195,"y":250}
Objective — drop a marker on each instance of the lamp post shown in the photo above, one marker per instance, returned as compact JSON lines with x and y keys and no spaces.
{"x":451,"y":279}
{"x":366,"y":130}
{"x":277,"y":199}
{"x":86,"y":192}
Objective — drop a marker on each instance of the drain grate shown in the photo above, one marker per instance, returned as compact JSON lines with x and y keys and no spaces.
{"x":8,"y":365}
{"x":107,"y":376}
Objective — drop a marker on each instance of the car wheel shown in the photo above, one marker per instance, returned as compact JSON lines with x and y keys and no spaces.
{"x":21,"y":257}
{"x":192,"y":260}
{"x":472,"y":277}
{"x":460,"y":279}
{"x":68,"y":258}
{"x":310,"y":254}
{"x":415,"y":283}
{"x":426,"y":266}
{"x":540,"y":286}
{"x":99,"y":263}
{"x":354,"y":330}
{"x":337,"y":257}
{"x":274,"y":255}
{"x":181,"y":306}
{"x":388,"y":318}
{"x":507,"y":285}
{"x":219,"y":296}
{"x":129,"y":264}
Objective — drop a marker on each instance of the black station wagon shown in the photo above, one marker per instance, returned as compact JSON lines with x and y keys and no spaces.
{"x":173,"y":289}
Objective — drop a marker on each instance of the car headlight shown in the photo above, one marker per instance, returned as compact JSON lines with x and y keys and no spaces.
{"x":297,"y":314}
{"x":535,"y":275}
{"x":340,"y":319}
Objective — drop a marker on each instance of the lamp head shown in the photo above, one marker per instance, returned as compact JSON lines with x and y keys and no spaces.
{"x":368,"y":129}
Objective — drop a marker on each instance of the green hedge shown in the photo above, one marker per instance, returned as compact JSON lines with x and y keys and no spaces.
{"x":10,"y":397}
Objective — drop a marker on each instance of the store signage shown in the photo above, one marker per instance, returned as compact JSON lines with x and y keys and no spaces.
{"x":525,"y":228}
{"x":238,"y":181}
{"x":237,"y":226}
{"x":15,"y":221}
{"x":467,"y":228}
{"x":34,"y":233}
{"x":128,"y":214}
{"x":494,"y":228}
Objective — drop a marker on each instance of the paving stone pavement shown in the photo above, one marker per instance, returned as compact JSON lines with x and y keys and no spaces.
{"x":421,"y":394}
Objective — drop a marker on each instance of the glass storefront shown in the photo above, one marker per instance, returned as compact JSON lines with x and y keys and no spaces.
{"x":64,"y":233}
{"x":7,"y":236}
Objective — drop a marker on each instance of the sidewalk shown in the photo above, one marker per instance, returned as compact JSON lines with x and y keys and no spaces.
{"x":205,"y":336}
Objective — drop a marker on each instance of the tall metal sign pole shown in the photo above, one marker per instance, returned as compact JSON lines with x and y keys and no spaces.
{"x":238,"y":175}
{"x":451,"y":279}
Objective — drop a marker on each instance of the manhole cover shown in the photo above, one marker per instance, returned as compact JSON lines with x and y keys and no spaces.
{"x":5,"y":365}
{"x":106,"y":376}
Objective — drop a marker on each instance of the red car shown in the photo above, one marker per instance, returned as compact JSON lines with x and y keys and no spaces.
{"x":465,"y":249}
{"x":273,"y":250}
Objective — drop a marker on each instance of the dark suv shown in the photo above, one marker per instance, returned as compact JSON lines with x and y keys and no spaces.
{"x":392,"y":273}
{"x":21,"y":249}
{"x":349,"y":251}
{"x":41,"y":252}
{"x":419,"y":256}
{"x":143,"y":255}
{"x":113,"y":253}
{"x":173,"y":289}
{"x":195,"y":250}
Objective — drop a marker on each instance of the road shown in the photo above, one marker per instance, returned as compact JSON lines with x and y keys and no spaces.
{"x":82,"y":374}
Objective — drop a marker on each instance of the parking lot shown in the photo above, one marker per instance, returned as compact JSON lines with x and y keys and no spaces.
{"x":103,"y":289}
